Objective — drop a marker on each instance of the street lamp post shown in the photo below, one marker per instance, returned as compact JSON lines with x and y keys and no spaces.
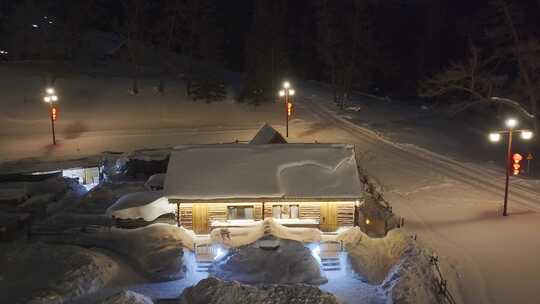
{"x":287,"y":92}
{"x":511,"y":123}
{"x":51,"y":98}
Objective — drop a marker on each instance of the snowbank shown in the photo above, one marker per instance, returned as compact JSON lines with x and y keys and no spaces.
{"x":36,"y":194}
{"x":105,"y":195}
{"x":43,"y":273}
{"x":290,"y":263}
{"x":373,"y":257}
{"x":240,"y":236}
{"x":156,"y":250}
{"x":147,"y":205}
{"x":215,"y":291}
{"x":412,"y":280}
{"x":399,"y":267}
{"x":263,"y":171}
{"x":126,"y":297}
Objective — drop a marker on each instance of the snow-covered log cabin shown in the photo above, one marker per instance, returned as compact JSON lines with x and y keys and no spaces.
{"x":232,"y":185}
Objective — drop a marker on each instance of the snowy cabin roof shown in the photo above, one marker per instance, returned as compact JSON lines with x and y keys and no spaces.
{"x":262,"y":171}
{"x":267,"y":135}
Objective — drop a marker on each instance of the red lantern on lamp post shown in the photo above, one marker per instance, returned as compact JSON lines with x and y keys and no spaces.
{"x":51,"y":98}
{"x":512,"y":162}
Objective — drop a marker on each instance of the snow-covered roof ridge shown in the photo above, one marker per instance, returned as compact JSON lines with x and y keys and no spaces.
{"x":267,"y":135}
{"x":224,"y":171}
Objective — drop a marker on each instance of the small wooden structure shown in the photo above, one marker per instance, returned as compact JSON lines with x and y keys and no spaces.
{"x":231,"y":185}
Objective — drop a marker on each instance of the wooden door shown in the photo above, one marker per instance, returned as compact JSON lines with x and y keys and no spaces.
{"x":200,"y":218}
{"x":329,"y":216}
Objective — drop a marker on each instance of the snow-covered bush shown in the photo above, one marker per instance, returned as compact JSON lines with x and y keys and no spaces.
{"x":125,"y":297}
{"x":289,"y":263}
{"x":215,"y":291}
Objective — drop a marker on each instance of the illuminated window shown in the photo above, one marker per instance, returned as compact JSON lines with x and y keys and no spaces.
{"x":285,"y":211}
{"x":240,"y":212}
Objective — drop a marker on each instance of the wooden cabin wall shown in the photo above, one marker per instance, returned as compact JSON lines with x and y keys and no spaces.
{"x":345,"y":214}
{"x":342,"y":211}
{"x":186,"y":216}
{"x":306,"y":210}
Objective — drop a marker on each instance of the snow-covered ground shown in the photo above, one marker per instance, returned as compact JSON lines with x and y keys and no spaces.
{"x":451,"y":204}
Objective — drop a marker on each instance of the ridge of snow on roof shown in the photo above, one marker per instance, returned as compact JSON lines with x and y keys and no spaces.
{"x":267,"y":135}
{"x":263,"y":171}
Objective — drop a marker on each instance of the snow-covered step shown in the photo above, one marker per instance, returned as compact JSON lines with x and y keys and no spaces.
{"x":203,"y":266}
{"x":331,"y":264}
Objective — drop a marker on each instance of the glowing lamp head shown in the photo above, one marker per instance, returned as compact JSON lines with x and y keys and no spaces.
{"x":47,"y":99}
{"x":494,"y":137}
{"x":368,"y":222}
{"x":291,"y":92}
{"x":511,"y":123}
{"x":54,"y":98}
{"x":281,"y":93}
{"x":526,"y":135}
{"x":286,"y":84}
{"x":49,"y":91}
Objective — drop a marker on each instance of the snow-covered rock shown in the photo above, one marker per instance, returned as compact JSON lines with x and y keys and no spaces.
{"x":147,"y":205}
{"x":43,"y":273}
{"x":215,"y":291}
{"x":156,"y":250}
{"x":290,"y":263}
{"x":126,"y":297}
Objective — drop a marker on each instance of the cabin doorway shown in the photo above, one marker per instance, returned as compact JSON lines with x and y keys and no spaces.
{"x":200,"y":218}
{"x":328,"y":217}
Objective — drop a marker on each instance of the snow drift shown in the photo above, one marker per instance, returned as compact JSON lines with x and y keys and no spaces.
{"x":101,"y":197}
{"x":156,"y":250}
{"x":240,"y":236}
{"x":147,"y":205}
{"x":395,"y":263}
{"x":215,"y":291}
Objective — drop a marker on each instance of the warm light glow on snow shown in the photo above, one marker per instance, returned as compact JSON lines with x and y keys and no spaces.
{"x":494,"y":137}
{"x":526,"y":135}
{"x":511,"y":122}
